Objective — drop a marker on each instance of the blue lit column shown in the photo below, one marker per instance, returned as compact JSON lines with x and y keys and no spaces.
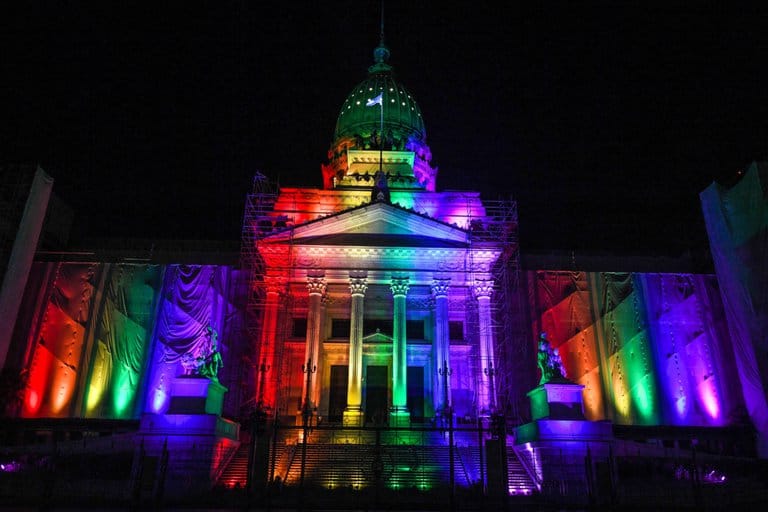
{"x":441,"y":346}
{"x":483,"y":289}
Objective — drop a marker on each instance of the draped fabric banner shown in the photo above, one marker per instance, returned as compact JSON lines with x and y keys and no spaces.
{"x":92,"y":327}
{"x":686,"y":328}
{"x":56,"y":360}
{"x":737,"y":226}
{"x":561,"y":307}
{"x":633,"y":339}
{"x":194,"y":299}
{"x":626,"y":359}
{"x":122,"y":337}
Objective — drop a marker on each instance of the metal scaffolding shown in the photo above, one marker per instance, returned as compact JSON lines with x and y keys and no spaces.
{"x":514,"y":356}
{"x":493,"y":228}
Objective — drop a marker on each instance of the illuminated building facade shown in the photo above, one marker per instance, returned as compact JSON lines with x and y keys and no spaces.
{"x":381,"y":303}
{"x":384,"y":285}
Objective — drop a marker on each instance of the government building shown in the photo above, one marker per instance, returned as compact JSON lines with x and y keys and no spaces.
{"x":380,"y":342}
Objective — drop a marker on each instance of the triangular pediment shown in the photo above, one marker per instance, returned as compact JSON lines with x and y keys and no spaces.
{"x":379,"y":224}
{"x":377,"y":337}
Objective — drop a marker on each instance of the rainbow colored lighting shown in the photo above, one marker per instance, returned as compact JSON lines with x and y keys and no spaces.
{"x":643,"y":350}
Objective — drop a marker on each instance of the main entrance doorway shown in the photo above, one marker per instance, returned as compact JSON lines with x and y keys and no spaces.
{"x":337,"y":398}
{"x":416,"y":393}
{"x":376,"y":386}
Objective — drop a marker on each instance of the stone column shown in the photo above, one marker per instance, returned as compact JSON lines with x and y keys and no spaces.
{"x":266,"y":391}
{"x":399,"y":416}
{"x":316,"y":287}
{"x":483,"y":289}
{"x":441,"y":346}
{"x":325,"y":300}
{"x":353,"y":414}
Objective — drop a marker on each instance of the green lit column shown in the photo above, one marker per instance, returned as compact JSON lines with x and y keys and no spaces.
{"x":483,"y":289}
{"x":441,"y":347}
{"x":316,"y":288}
{"x":399,"y":416}
{"x":353,"y":414}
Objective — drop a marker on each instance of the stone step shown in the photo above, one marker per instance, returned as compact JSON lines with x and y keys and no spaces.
{"x":236,"y":472}
{"x":518,"y":480}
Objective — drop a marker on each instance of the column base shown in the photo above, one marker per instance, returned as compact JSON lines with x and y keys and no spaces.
{"x":352,"y":418}
{"x":399,"y":417}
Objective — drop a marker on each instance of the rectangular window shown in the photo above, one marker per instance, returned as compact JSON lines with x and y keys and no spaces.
{"x":456,"y":330}
{"x":414,"y":329}
{"x":340,"y":328}
{"x":373,"y":325}
{"x":299,"y":329}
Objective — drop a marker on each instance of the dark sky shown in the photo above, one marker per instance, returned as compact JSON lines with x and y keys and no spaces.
{"x":603,"y":120}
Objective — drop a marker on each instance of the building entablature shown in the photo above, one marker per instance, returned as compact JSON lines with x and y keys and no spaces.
{"x":381,"y":263}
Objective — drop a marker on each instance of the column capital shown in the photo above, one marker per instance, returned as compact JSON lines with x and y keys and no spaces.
{"x":399,"y":286}
{"x":274,"y":284}
{"x":316,"y":285}
{"x":440,"y":287}
{"x":483,"y":288}
{"x":358,"y":282}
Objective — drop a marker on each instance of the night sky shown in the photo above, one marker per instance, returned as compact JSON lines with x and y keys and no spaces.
{"x":604,"y":121}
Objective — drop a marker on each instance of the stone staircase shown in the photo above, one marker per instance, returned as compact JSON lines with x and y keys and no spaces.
{"x":518,"y":480}
{"x":353,"y":459}
{"x":236,"y":472}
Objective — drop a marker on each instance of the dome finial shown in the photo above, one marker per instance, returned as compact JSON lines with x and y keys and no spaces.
{"x":381,"y":52}
{"x":381,"y":31}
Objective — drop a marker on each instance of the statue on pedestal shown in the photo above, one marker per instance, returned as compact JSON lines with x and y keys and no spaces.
{"x":212,"y":362}
{"x":208,"y":363}
{"x":549,"y":362}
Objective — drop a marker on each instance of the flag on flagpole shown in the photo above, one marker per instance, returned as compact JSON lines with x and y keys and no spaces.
{"x":375,"y":101}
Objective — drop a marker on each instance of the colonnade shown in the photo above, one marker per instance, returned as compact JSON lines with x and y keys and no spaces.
{"x":399,"y":286}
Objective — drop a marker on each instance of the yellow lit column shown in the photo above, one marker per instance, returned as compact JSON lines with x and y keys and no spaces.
{"x":441,"y":346}
{"x":353,"y":414}
{"x":399,"y":416}
{"x":316,"y":288}
{"x":483,"y":289}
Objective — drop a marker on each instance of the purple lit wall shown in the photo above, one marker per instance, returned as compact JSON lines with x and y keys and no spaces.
{"x":194,"y":298}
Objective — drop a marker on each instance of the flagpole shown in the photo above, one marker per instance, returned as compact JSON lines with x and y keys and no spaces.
{"x":381,"y":103}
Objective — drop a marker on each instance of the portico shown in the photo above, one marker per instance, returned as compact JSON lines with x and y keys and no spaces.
{"x":377,"y":287}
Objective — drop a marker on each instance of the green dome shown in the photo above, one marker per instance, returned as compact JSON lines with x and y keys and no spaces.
{"x":402,"y":115}
{"x":359,"y":129}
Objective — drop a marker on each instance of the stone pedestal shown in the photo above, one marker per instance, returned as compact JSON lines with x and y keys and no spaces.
{"x":561,"y":448}
{"x":558,"y":401}
{"x":182,"y":452}
{"x":196,"y":395}
{"x":399,"y":417}
{"x":352,"y":418}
